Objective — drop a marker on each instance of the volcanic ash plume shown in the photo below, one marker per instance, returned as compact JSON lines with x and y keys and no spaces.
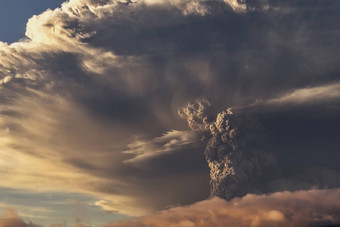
{"x":238,"y":162}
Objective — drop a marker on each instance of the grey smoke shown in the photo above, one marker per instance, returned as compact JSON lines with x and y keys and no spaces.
{"x":240,"y":160}
{"x":196,"y":115}
{"x":238,"y":163}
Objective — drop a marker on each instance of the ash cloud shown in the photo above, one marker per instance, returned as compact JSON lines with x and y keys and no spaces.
{"x":237,"y":158}
{"x":235,"y":151}
{"x":241,"y":160}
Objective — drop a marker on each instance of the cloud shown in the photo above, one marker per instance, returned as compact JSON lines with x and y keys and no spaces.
{"x":237,"y":156}
{"x":307,"y":95}
{"x":301,"y":208}
{"x":196,"y":115}
{"x":63,"y":225}
{"x":80,"y":225}
{"x":27,"y":211}
{"x":11,"y":219}
{"x":93,"y":76}
{"x":238,"y":6}
{"x":241,"y":160}
{"x":235,"y":151}
{"x":165,"y":144}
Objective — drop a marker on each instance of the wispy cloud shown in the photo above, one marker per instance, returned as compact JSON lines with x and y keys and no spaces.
{"x":167,"y":143}
{"x":308,"y":95}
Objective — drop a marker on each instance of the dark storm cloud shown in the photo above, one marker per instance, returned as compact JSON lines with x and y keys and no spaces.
{"x":282,"y":49}
{"x":96,"y":76}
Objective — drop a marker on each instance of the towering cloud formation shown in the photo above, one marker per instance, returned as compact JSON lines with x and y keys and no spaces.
{"x":240,"y":159}
{"x":237,"y":157}
{"x":235,"y":152}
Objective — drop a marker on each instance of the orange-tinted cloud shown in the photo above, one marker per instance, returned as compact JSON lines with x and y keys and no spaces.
{"x":62,"y":225}
{"x":80,"y":225}
{"x":11,"y":219}
{"x":294,"y":209}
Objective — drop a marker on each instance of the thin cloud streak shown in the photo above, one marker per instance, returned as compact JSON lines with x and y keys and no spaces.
{"x":307,"y":95}
{"x":169,"y":142}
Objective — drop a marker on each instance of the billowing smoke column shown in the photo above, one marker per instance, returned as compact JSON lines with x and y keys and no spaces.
{"x":235,"y":154}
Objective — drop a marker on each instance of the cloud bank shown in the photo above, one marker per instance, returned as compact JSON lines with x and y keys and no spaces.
{"x":296,"y":209}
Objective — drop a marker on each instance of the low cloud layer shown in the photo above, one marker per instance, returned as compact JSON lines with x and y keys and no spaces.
{"x":11,"y":219}
{"x":295,"y":209}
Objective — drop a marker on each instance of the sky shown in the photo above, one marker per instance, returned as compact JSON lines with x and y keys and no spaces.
{"x":169,"y":113}
{"x":14,"y":15}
